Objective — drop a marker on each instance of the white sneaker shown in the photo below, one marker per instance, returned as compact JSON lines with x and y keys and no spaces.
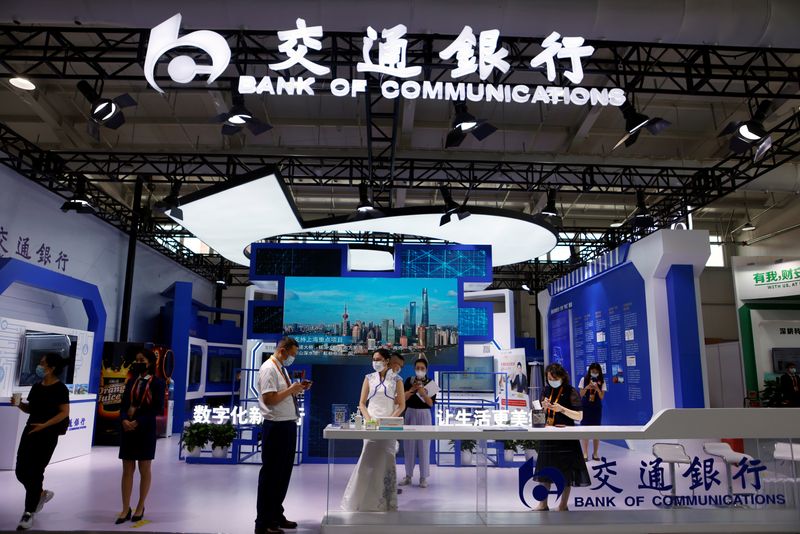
{"x":423,"y":483}
{"x":26,"y":521}
{"x":405,"y":482}
{"x":46,"y":497}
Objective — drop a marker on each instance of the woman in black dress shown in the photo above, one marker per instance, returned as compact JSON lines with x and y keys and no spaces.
{"x":48,"y":406}
{"x":593,"y":388}
{"x":563,"y":407}
{"x":142,"y":401}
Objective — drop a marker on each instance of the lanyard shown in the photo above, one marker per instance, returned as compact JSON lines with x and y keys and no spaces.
{"x":558,"y":394}
{"x":282,"y":370}
{"x":140,"y":392}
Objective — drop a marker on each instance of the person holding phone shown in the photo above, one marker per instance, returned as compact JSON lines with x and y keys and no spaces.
{"x":593,"y":389}
{"x":48,"y":409}
{"x":563,"y":407}
{"x":418,"y":412}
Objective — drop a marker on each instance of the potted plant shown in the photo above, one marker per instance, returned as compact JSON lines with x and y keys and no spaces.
{"x":467,"y":450}
{"x":530,"y":447}
{"x":222,"y":437}
{"x":509,"y":450}
{"x":194,"y":438}
{"x":771,"y":396}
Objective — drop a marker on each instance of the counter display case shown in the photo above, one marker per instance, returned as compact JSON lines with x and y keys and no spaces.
{"x":681,"y":472}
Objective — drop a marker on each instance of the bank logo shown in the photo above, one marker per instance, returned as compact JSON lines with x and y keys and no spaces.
{"x":183,"y":68}
{"x":540,"y":492}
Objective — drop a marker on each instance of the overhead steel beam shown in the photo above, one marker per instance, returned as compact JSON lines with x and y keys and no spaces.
{"x":96,"y":53}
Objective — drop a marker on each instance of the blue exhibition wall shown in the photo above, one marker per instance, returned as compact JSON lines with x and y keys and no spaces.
{"x":603,"y":318}
{"x":16,"y":271}
{"x":339,"y":383}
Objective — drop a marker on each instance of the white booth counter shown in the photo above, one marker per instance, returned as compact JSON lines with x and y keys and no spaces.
{"x":703,"y":484}
{"x":76,"y":442}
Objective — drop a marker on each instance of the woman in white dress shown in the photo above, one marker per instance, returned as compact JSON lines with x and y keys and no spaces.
{"x":373,"y":484}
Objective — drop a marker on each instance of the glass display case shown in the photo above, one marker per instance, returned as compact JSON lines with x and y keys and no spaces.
{"x":680,"y":472}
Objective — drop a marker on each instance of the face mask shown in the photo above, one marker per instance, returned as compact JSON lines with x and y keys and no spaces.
{"x":420,"y":374}
{"x":594,"y":375}
{"x":554,"y":383}
{"x":138,"y":368}
{"x":792,"y":370}
{"x":378,"y":366}
{"x":40,"y":371}
{"x":289,"y":361}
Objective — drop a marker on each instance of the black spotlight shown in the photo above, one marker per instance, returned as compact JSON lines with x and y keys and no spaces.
{"x":452,"y":208}
{"x":550,"y":208}
{"x":171,"y":203}
{"x":574,"y":256}
{"x":463,"y":123}
{"x":642,"y":218}
{"x":106,"y":112}
{"x":750,"y":133}
{"x":240,"y":117}
{"x":79,"y":201}
{"x":366,"y":208}
{"x":635,"y":121}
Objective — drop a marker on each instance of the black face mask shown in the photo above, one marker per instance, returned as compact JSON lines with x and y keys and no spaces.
{"x":138,"y":368}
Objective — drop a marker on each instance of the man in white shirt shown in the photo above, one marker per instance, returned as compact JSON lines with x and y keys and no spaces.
{"x":280,"y":410}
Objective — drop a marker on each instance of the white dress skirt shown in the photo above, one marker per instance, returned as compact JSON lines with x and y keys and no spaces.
{"x":373,"y":484}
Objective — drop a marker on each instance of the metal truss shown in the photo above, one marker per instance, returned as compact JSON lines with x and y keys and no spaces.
{"x":381,"y":143}
{"x":102,"y":54}
{"x":50,"y":171}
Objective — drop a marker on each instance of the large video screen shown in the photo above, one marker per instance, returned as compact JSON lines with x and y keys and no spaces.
{"x":344,"y":320}
{"x":37,"y":344}
{"x":477,"y":377}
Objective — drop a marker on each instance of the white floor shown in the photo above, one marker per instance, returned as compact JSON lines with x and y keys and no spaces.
{"x":221,"y":498}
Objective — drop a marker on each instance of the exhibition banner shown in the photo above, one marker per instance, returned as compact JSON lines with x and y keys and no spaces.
{"x":512,"y":386}
{"x":760,"y":280}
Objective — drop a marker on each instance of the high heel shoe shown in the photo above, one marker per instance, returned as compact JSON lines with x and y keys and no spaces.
{"x":137,"y":518}
{"x":127,"y":517}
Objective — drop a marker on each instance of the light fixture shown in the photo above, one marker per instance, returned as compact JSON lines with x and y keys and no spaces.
{"x":103,"y":111}
{"x":22,"y":83}
{"x":526,"y":287}
{"x":642,"y":218}
{"x":79,"y":201}
{"x":635,"y":121}
{"x":366,"y":208}
{"x":745,"y":135}
{"x":574,"y":256}
{"x":463,"y":123}
{"x":748,"y":226}
{"x":172,"y":201}
{"x":550,"y":208}
{"x":240,"y":117}
{"x":452,"y":208}
{"x":616,"y":224}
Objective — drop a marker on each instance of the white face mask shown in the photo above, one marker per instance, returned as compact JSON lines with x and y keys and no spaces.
{"x":594,"y":375}
{"x":420,"y":374}
{"x":554,"y":383}
{"x":378,"y":366}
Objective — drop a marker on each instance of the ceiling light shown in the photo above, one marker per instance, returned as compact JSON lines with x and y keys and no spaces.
{"x":172,"y":200}
{"x":22,"y":83}
{"x":463,"y":123}
{"x":550,"y":208}
{"x":79,"y":201}
{"x":103,"y":111}
{"x":616,"y":224}
{"x":748,"y":227}
{"x":240,"y":117}
{"x":642,"y":218}
{"x":574,"y":256}
{"x":452,"y":208}
{"x":365,"y":208}
{"x":745,"y":135}
{"x":635,"y":121}
{"x":526,"y":287}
